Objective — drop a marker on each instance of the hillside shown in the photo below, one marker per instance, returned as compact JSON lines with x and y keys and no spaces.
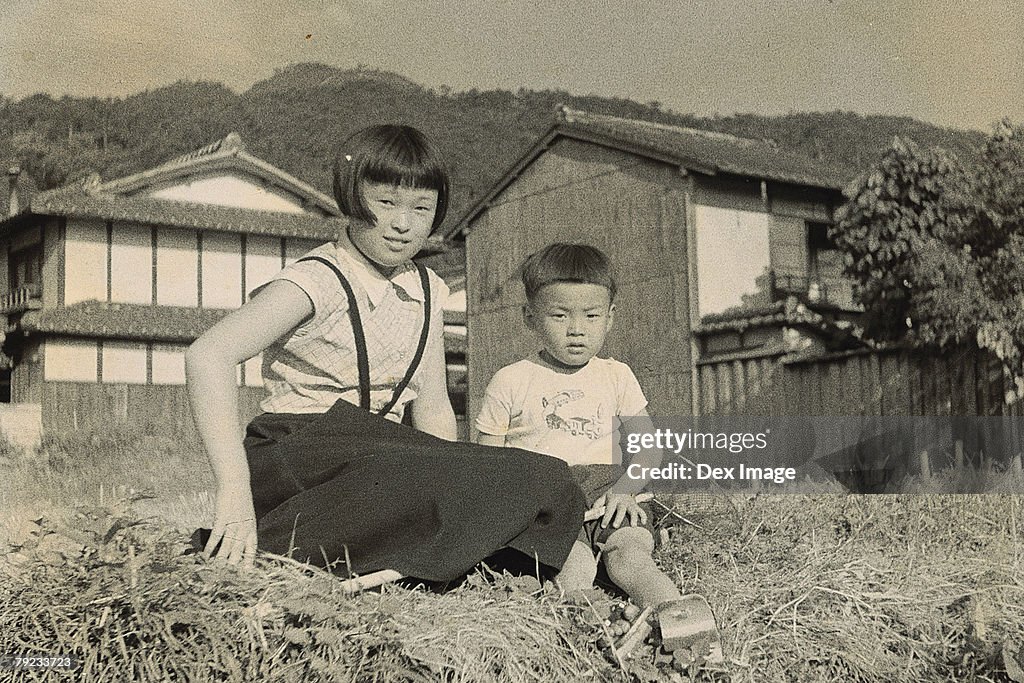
{"x":295,"y":118}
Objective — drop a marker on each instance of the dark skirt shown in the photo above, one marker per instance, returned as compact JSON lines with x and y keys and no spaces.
{"x":351,"y":487}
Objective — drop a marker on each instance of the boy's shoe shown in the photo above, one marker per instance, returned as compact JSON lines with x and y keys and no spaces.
{"x":689,"y":624}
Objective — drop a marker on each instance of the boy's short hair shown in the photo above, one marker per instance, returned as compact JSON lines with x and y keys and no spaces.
{"x":562,"y":262}
{"x":391,"y":154}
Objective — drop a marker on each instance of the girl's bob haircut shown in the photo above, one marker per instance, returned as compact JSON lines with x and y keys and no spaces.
{"x":393,"y":155}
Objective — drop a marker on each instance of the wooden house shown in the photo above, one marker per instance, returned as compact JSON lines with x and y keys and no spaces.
{"x":720,"y":246}
{"x":104,"y":284}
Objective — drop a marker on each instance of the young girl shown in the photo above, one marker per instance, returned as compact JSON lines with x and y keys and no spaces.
{"x":352,"y":336}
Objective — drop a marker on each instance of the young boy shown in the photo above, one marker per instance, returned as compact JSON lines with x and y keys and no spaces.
{"x":563,"y":401}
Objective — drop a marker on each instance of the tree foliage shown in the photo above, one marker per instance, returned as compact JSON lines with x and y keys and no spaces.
{"x":296,"y":118}
{"x":936,"y":246}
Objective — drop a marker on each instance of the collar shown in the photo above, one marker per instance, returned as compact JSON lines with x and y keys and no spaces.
{"x":405,"y":277}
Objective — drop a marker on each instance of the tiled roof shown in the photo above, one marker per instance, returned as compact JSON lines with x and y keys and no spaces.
{"x":228,"y":152}
{"x":722,"y":152}
{"x":693,"y":149}
{"x":123,"y":321}
{"x":823,"y":320}
{"x":135,"y":322}
{"x":79,"y":202}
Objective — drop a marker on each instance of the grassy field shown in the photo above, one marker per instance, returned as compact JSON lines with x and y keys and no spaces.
{"x":812,"y":586}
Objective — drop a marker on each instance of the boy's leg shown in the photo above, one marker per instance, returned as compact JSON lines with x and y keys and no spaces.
{"x":627,"y":557}
{"x":579,"y":570}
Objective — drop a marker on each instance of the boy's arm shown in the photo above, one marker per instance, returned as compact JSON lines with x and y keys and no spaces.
{"x":495,"y":412}
{"x":620,"y":500}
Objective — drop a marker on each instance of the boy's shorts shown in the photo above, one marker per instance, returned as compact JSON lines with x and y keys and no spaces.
{"x":595,"y":480}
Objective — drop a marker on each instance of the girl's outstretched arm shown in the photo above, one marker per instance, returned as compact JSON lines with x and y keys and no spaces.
{"x":210,"y":371}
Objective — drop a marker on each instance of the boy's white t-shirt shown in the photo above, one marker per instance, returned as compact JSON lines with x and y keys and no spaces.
{"x":570,"y":416}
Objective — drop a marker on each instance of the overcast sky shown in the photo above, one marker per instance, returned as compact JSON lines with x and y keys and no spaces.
{"x":953,"y":63}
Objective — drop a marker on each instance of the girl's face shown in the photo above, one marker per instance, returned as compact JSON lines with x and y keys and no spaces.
{"x":404,"y":216}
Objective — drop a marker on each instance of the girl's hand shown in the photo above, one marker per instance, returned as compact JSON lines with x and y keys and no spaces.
{"x":234,"y":528}
{"x":619,"y":507}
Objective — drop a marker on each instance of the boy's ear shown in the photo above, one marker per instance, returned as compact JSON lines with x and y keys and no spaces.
{"x":611,"y":316}
{"x":528,"y":315}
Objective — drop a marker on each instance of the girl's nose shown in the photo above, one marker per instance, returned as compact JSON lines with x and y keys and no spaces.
{"x":400,"y":221}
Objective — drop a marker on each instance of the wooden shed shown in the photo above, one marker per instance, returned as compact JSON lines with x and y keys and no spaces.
{"x":711,"y":235}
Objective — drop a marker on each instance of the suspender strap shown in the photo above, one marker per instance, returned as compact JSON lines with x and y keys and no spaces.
{"x":425,"y":285}
{"x":362,"y":360}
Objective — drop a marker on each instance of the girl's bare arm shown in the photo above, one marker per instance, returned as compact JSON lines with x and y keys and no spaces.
{"x":432,"y":408}
{"x":210,"y":370}
{"x":490,"y":440}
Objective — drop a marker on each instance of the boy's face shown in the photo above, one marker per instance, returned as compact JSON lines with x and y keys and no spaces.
{"x":571,"y":319}
{"x":404,"y":216}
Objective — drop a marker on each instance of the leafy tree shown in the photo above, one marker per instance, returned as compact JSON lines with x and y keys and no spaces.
{"x":935,"y":247}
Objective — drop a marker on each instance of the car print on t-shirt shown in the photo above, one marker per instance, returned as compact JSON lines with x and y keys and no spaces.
{"x":589,"y":428}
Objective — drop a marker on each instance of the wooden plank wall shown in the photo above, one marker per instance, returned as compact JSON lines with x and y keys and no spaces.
{"x":632,"y":208}
{"x":160,"y":410}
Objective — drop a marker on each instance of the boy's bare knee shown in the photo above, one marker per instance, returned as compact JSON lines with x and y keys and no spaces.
{"x":630,"y":539}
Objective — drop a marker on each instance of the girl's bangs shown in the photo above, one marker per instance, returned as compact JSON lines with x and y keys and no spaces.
{"x":408,"y":172}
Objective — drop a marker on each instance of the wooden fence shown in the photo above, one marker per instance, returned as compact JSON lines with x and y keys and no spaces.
{"x":160,"y":410}
{"x":895,"y":382}
{"x":892,"y":383}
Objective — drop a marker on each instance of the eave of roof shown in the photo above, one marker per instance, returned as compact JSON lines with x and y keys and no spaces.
{"x":79,"y":203}
{"x":131,"y":322}
{"x":228,"y":153}
{"x":654,"y":142}
{"x":137,"y":322}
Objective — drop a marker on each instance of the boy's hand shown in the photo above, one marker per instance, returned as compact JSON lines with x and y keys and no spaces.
{"x":619,"y":507}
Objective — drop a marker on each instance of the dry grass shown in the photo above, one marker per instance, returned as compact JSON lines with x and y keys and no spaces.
{"x":806,"y":587}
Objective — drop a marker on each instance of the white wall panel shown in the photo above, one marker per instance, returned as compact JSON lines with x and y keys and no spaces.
{"x":131,"y":264}
{"x":262,"y":260}
{"x":222,"y":270}
{"x":124,"y":363}
{"x":168,"y":364}
{"x":69,"y":361}
{"x":85,"y":261}
{"x":177,"y":263}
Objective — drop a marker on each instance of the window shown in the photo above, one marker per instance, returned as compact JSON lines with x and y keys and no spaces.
{"x":25,"y":266}
{"x":733,"y":267}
